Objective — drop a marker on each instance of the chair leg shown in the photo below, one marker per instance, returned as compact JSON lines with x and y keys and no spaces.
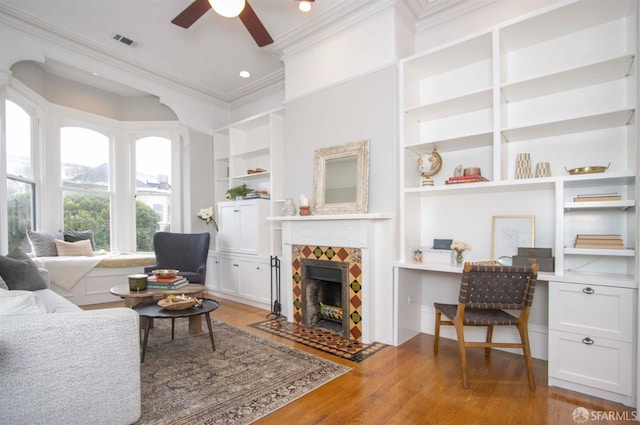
{"x":436,"y":340}
{"x":487,"y":350}
{"x":173,"y":326}
{"x":526,"y":352}
{"x":462,"y":352}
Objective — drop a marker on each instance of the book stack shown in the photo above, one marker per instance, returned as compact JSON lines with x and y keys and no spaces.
{"x":598,"y":197}
{"x":599,"y":241}
{"x":471,"y":178}
{"x":167,"y":283}
{"x":258,"y":194}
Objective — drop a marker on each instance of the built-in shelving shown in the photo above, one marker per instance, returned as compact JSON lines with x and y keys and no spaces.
{"x":560,"y":85}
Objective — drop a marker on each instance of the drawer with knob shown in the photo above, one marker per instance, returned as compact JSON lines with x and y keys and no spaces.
{"x":592,"y":310}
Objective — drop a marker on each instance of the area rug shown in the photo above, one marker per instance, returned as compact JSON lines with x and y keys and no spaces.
{"x":320,"y":339}
{"x":246,"y":378}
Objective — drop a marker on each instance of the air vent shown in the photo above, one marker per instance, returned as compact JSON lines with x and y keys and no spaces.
{"x":126,"y":40}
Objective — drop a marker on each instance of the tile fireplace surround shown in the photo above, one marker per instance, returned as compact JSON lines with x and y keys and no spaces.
{"x":365,"y":243}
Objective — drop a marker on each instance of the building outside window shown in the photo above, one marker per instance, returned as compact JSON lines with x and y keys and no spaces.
{"x":153,"y":189}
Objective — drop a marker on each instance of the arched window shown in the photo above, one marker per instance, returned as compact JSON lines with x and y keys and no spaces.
{"x":85,"y":168}
{"x":153,"y":189}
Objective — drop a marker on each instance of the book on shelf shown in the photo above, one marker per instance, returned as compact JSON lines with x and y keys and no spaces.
{"x":584,"y":236}
{"x":598,"y":197}
{"x":258,"y":196}
{"x":466,"y":179}
{"x":598,"y":245}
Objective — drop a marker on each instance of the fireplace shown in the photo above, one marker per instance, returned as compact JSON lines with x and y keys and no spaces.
{"x":360,"y":246}
{"x":315,"y":271}
{"x":325,"y":295}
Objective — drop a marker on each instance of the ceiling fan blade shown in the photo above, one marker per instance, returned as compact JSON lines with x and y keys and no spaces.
{"x":254,"y":26}
{"x":192,"y":13}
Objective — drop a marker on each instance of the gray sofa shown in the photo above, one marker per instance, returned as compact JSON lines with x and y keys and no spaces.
{"x":69,"y":366}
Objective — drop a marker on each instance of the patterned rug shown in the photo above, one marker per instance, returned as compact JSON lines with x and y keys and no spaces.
{"x":248,"y":377}
{"x":320,"y":339}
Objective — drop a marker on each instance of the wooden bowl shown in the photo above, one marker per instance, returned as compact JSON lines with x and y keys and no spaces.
{"x":177,"y":303}
{"x":165,"y":273}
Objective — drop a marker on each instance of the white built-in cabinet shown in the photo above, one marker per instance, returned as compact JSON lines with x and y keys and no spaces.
{"x":246,"y":240}
{"x":561,"y":85}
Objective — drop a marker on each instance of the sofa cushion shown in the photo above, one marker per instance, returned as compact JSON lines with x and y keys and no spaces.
{"x":71,"y":236}
{"x":20,"y":272}
{"x":52,"y":302}
{"x":74,"y":249}
{"x":19,"y":302}
{"x":43,"y":244}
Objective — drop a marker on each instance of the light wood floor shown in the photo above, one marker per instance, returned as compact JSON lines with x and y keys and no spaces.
{"x":409,"y":385}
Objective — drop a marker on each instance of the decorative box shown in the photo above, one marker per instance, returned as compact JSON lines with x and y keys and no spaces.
{"x":438,"y":256}
{"x":545,"y":264}
{"x":534,"y":252}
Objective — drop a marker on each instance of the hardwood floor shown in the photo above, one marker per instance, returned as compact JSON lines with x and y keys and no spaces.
{"x":409,"y":385}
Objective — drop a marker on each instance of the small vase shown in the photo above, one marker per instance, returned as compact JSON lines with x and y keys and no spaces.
{"x":459,"y":257}
{"x":288,"y":208}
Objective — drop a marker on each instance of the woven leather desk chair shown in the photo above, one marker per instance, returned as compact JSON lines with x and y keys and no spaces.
{"x":485,"y":292}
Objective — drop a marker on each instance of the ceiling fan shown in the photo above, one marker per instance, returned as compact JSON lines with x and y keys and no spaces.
{"x":242,"y":9}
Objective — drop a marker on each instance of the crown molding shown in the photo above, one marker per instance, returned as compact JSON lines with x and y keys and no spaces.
{"x":341,"y":17}
{"x":444,"y":11}
{"x":29,"y":24}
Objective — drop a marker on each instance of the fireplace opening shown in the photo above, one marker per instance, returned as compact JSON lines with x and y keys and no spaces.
{"x":325,"y":293}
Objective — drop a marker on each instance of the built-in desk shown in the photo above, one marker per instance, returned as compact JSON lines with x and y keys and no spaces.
{"x":418,"y":286}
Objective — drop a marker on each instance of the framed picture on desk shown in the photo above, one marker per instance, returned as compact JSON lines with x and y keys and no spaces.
{"x":508,"y":232}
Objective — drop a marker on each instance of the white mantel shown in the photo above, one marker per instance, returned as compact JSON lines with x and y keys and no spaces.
{"x":373,"y":235}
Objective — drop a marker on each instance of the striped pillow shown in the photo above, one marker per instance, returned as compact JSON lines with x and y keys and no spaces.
{"x":74,"y":249}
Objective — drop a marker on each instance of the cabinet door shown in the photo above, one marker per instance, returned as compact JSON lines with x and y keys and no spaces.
{"x":255,"y":280}
{"x":229,"y":234}
{"x":596,"y":362}
{"x":213,"y":272}
{"x":592,"y":310}
{"x":229,"y":274}
{"x":249,"y":229}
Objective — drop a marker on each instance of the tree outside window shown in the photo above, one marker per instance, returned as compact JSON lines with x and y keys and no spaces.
{"x":20,"y":182}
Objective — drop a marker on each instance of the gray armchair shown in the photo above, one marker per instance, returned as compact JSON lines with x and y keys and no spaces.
{"x":186,"y":252}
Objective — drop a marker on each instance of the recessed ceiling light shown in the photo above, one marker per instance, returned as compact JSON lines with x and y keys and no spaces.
{"x":244,"y":74}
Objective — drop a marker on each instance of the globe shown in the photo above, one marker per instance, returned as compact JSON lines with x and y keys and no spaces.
{"x":429,"y":164}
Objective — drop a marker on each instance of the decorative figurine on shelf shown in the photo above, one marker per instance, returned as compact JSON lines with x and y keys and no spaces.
{"x":459,"y":247}
{"x":457,"y":172}
{"x":417,"y":256}
{"x":288,"y":208}
{"x":429,"y":165}
{"x":304,"y":205}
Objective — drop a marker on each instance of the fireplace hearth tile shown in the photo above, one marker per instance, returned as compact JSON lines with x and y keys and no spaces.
{"x":320,"y":339}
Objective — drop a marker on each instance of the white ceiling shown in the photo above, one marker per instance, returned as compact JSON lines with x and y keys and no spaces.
{"x":206,"y":57}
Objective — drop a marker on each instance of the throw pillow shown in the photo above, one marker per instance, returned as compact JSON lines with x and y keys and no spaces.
{"x":42,"y":243}
{"x":20,"y":272}
{"x":71,"y":236}
{"x":74,"y":249}
{"x":18,"y":302}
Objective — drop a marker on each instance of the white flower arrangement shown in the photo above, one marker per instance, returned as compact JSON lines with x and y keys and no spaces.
{"x":206,"y":215}
{"x":460,"y":246}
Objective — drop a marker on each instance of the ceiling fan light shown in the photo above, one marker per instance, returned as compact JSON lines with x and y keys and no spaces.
{"x":304,"y":5}
{"x":227,"y":8}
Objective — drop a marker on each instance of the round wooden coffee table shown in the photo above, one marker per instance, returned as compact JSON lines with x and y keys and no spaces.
{"x":151,"y":310}
{"x":132,"y":298}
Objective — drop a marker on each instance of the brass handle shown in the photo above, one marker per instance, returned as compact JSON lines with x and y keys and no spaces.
{"x":587,"y":341}
{"x":588,"y":291}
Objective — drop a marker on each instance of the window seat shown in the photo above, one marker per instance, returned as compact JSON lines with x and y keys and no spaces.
{"x":87,"y":280}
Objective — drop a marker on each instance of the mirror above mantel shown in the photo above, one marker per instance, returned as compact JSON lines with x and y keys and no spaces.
{"x":341,"y":179}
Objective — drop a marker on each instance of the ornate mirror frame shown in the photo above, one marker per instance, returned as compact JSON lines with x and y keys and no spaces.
{"x":359,"y":205}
